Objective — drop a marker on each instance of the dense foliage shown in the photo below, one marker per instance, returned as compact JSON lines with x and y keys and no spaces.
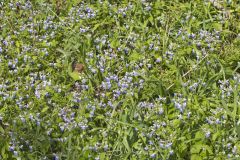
{"x":136,"y":79}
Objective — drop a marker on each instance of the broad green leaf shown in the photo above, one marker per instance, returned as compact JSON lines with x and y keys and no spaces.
{"x":45,"y":109}
{"x":74,"y":75}
{"x":196,"y":157}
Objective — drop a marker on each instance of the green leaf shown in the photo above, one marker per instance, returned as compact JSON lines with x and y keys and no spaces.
{"x":217,"y":26}
{"x":125,"y":143}
{"x":44,"y":109}
{"x":238,"y":131}
{"x":74,"y":75}
{"x":176,"y":122}
{"x":1,"y":130}
{"x":3,"y":151}
{"x":197,"y":148}
{"x":199,"y":135}
{"x":135,"y":56}
{"x":201,"y":148}
{"x":196,"y":157}
{"x":103,"y":155}
{"x":215,"y":136}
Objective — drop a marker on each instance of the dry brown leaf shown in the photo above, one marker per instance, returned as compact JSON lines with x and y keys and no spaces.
{"x":78,"y":67}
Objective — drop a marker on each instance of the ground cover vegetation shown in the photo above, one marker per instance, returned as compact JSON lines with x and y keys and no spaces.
{"x":122,"y":79}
